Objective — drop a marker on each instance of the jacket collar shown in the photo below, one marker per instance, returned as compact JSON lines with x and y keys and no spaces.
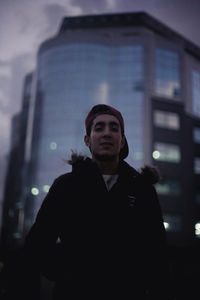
{"x":82,"y":164}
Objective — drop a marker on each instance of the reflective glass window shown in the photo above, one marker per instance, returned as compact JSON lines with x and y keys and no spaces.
{"x":166,"y":152}
{"x":196,"y":92}
{"x":197,"y":165}
{"x":165,"y":119}
{"x":196,"y":135}
{"x":167,"y":74}
{"x":168,"y":187}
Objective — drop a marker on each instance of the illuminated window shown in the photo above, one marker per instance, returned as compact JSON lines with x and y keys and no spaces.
{"x":167,"y":75}
{"x":168,"y":187}
{"x":197,"y":230}
{"x":196,"y":92}
{"x":196,"y":135}
{"x":172,"y":223}
{"x":166,"y":224}
{"x":197,"y":165}
{"x":166,"y":152}
{"x":166,"y":119}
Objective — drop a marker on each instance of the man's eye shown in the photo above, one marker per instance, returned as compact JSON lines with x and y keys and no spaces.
{"x":115,"y":129}
{"x":99,"y":128}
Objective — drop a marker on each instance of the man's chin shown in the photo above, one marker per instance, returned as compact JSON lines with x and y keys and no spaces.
{"x":105,"y":157}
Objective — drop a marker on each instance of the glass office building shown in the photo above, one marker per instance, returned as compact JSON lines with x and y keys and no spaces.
{"x":147,"y":71}
{"x":72,"y":76}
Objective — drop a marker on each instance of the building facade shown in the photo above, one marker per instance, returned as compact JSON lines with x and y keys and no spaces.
{"x":144,"y":69}
{"x":15,"y":189}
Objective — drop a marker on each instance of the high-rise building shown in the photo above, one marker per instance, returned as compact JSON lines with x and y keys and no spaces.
{"x":16,"y":177}
{"x":152,"y":75}
{"x":3,"y":169}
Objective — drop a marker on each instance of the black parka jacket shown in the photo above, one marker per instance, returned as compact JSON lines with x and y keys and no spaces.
{"x":94,"y":242}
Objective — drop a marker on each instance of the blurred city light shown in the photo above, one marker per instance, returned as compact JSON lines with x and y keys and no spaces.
{"x":197,"y":229}
{"x":156,"y":154}
{"x":166,"y":224}
{"x":46,"y":188}
{"x":53,"y":146}
{"x":34,"y":191}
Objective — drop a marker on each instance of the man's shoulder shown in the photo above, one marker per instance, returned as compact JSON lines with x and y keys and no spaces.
{"x":63,"y":178}
{"x":150,"y":174}
{"x":147,"y":174}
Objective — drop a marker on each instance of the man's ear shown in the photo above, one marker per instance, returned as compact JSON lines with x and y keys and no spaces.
{"x":123,"y":142}
{"x":87,"y":140}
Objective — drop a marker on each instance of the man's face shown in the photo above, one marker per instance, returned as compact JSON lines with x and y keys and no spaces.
{"x":105,"y":140}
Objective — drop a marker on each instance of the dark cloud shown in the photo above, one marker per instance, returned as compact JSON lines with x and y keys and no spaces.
{"x":53,"y":13}
{"x":4,"y":63}
{"x":91,"y":6}
{"x":20,"y":67}
{"x":182,"y":16}
{"x":4,"y":90}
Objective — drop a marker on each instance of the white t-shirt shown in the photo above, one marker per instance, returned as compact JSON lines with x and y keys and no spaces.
{"x":110,"y":180}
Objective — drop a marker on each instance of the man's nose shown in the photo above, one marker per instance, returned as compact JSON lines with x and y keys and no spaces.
{"x":107,"y":131}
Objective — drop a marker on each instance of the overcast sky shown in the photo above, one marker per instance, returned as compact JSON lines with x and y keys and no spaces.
{"x":25,"y":24}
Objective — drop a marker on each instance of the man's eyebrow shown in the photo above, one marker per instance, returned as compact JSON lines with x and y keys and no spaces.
{"x":114,"y":123}
{"x":101,"y":123}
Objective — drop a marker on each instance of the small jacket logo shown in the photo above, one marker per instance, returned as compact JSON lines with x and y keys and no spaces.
{"x":131,"y":199}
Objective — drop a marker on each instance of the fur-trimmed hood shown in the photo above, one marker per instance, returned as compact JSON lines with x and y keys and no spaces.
{"x":151,"y":174}
{"x":148,"y":173}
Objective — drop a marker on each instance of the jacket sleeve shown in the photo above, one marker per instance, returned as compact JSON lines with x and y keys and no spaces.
{"x":154,"y":216}
{"x":22,"y":270}
{"x":40,"y":244}
{"x":44,"y":231}
{"x":159,"y":277}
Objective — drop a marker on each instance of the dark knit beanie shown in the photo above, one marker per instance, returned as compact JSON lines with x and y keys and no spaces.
{"x":102,"y":109}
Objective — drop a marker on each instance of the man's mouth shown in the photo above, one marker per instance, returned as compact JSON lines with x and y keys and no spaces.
{"x":106,"y":144}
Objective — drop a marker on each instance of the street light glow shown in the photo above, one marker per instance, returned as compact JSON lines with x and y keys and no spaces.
{"x":156,"y":154}
{"x":46,"y":188}
{"x":35,"y":191}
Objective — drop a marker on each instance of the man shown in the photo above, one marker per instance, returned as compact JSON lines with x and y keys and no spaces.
{"x":107,"y":218}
